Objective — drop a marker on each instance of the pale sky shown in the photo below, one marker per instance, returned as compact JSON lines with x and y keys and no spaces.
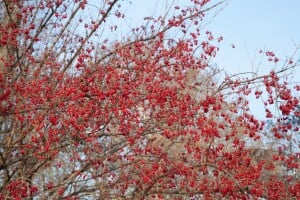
{"x":251,"y":25}
{"x":257,"y":24}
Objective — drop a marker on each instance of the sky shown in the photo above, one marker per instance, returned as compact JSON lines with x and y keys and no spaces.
{"x":251,"y":25}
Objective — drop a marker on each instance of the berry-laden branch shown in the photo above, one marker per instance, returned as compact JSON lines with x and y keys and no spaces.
{"x":87,"y":115}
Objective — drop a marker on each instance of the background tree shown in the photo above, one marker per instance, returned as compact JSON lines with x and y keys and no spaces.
{"x":85,"y":115}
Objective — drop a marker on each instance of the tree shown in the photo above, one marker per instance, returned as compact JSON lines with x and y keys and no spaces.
{"x":85,"y":115}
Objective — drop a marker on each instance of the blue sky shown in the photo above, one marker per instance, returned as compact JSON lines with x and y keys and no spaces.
{"x":256,"y":24}
{"x":251,"y":25}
